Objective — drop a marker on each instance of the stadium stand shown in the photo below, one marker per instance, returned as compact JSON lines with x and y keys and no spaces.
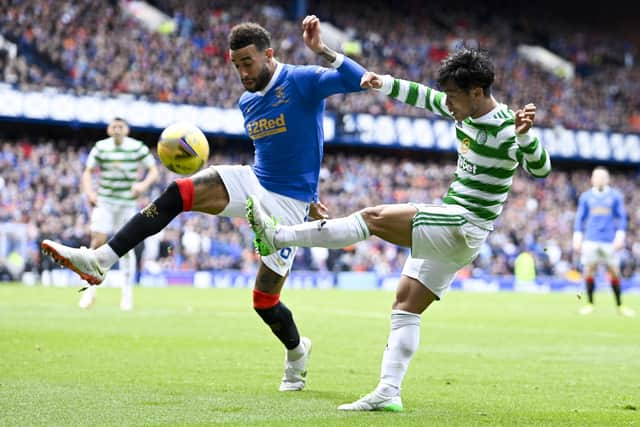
{"x":84,"y":47}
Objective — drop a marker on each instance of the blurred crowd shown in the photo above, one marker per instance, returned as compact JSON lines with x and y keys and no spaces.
{"x":41,"y":179}
{"x":93,"y":47}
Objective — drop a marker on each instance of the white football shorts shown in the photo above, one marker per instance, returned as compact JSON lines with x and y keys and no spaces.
{"x":599,"y":253}
{"x":107,"y":218}
{"x":241,"y":182}
{"x":443,"y":242}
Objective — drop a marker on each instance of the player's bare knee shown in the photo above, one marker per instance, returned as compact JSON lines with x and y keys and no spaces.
{"x":210,"y":194}
{"x":372,"y":216}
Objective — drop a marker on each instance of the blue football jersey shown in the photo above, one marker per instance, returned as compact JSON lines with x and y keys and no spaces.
{"x":600,"y":214}
{"x":285,"y":122}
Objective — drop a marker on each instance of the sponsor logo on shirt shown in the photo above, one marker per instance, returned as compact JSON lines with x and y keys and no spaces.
{"x":264,"y":127}
{"x":467,"y":166}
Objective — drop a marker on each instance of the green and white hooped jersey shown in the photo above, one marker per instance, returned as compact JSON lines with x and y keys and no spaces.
{"x":118,"y":166}
{"x":488,"y":152}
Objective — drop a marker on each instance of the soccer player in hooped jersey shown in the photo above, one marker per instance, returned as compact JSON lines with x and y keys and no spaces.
{"x":283,"y":114}
{"x":599,"y":232}
{"x":117,"y":159}
{"x":443,"y":238}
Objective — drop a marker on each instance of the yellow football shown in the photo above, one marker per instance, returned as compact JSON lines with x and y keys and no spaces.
{"x":183,"y":148}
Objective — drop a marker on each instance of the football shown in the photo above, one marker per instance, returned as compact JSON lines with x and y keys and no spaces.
{"x":183,"y":148}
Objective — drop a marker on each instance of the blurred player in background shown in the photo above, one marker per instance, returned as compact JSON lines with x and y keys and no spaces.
{"x":118,"y":160}
{"x":493,"y":140}
{"x":283,"y":108}
{"x":599,"y":233}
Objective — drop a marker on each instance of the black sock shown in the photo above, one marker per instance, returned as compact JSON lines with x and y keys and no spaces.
{"x":591,"y":285}
{"x":281,"y":322}
{"x":148,"y":221}
{"x":615,"y":287}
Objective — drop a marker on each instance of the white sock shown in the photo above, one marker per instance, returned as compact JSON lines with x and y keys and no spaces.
{"x":326,"y":233}
{"x":106,"y":256}
{"x":403,"y":342}
{"x":128,"y":265}
{"x":88,"y":296}
{"x":296,"y":352}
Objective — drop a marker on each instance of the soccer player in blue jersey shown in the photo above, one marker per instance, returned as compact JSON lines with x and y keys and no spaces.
{"x":599,"y":232}
{"x":283,"y":113}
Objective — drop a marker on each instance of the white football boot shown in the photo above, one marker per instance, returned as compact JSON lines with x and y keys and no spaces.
{"x":374,"y":402}
{"x":80,"y":260}
{"x":295,"y":372}
{"x":586,"y":310}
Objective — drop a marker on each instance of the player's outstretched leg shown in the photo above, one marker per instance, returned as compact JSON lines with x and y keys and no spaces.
{"x":92,"y":265}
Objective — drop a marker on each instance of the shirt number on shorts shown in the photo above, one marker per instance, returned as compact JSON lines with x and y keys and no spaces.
{"x":285,"y":253}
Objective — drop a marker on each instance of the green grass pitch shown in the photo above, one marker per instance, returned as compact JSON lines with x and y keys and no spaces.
{"x":202,"y":357}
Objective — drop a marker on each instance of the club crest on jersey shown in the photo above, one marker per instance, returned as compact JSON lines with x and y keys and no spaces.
{"x":281,"y":95}
{"x":464,"y":145}
{"x":482,"y":137}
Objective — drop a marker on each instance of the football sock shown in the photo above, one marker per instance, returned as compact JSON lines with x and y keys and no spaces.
{"x":326,"y":233}
{"x":403,"y":342}
{"x":88,"y":296}
{"x":279,"y":318}
{"x":590,"y":283}
{"x":106,"y":257}
{"x":128,"y":265}
{"x":617,"y":292}
{"x":296,"y":353}
{"x":148,"y":221}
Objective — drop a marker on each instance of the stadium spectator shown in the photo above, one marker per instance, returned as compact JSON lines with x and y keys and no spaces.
{"x":72,"y":47}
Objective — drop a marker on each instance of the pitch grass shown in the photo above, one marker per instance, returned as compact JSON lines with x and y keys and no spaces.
{"x":202,"y":357}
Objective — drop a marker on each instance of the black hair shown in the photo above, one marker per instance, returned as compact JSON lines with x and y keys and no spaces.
{"x":120,"y":119}
{"x":467,"y":68}
{"x":247,"y":33}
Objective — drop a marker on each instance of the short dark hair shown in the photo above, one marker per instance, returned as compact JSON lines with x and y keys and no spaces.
{"x":247,"y":33}
{"x":467,"y":68}
{"x":120,"y":119}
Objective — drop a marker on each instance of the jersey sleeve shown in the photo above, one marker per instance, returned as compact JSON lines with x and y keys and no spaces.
{"x":620,"y":213}
{"x":581,"y":214}
{"x":317,"y":82}
{"x":533,"y":156}
{"x":92,"y":161}
{"x":416,"y":94}
{"x":147,"y":159}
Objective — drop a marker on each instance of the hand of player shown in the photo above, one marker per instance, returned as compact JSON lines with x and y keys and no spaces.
{"x":576,"y":244}
{"x":618,"y":243}
{"x":317,"y":211}
{"x":137,"y":188}
{"x":525,"y":118}
{"x":311,"y":33}
{"x":371,"y":80}
{"x":92,"y":198}
{"x":577,"y":247}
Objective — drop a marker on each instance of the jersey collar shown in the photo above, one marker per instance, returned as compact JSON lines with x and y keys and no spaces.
{"x":272,"y":82}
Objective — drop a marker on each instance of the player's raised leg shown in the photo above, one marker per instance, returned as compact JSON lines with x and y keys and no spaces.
{"x":389,"y":222}
{"x":204,"y":192}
